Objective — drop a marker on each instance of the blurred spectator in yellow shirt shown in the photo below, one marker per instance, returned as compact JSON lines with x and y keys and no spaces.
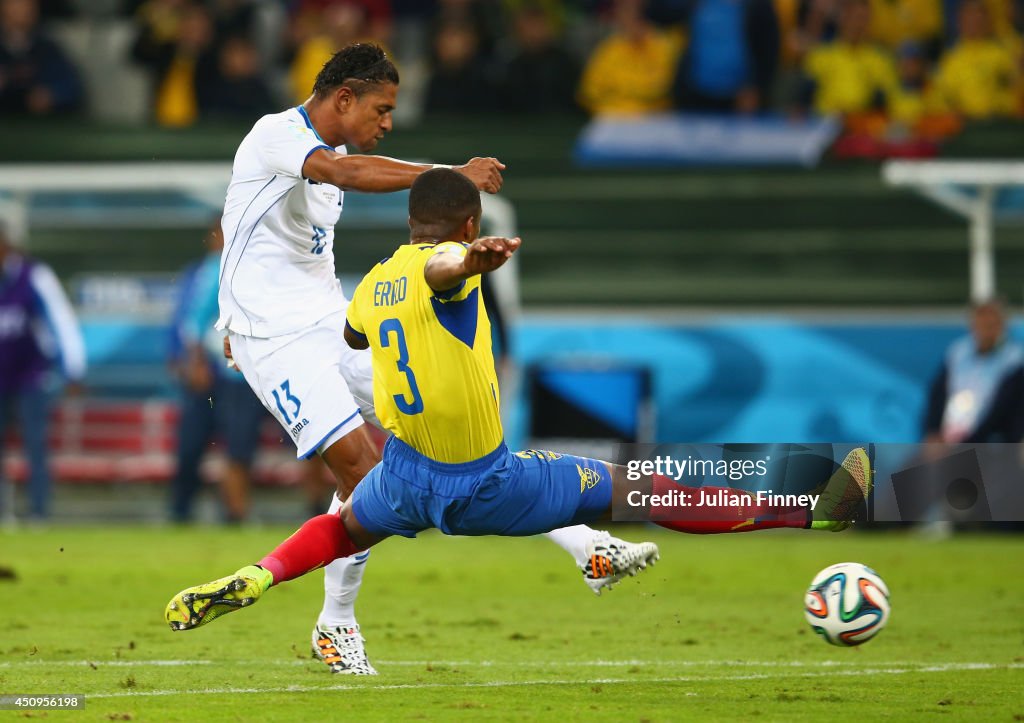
{"x":853,"y":75}
{"x":175,"y":42}
{"x":1005,"y":16}
{"x":895,"y":23}
{"x":980,"y":76}
{"x":632,"y":70}
{"x":318,"y":35}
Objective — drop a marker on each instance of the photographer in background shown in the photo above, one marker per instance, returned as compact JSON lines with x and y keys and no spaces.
{"x":39,"y":336}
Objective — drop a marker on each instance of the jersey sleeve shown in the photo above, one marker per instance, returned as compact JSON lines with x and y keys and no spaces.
{"x":60,"y":318}
{"x":459,"y":292}
{"x":284,"y":146}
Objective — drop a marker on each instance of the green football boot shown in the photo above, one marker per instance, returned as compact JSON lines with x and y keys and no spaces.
{"x":847,"y":489}
{"x":201,"y":604}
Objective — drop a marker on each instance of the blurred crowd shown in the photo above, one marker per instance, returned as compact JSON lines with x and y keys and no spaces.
{"x":924,"y":65}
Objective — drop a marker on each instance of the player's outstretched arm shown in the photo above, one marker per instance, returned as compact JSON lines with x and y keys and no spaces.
{"x":485,"y":173}
{"x":369,"y":174}
{"x":446,"y":271}
{"x":380,"y":174}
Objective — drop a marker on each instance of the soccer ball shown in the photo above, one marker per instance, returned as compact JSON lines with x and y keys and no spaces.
{"x":847,"y":604}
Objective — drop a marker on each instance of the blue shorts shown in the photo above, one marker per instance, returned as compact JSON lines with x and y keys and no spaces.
{"x":525,"y":493}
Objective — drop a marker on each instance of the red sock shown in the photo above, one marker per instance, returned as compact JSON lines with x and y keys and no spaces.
{"x":721,"y":518}
{"x":321,"y":540}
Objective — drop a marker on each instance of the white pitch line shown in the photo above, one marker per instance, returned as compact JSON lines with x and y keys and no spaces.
{"x":108,"y":663}
{"x":507,"y":663}
{"x":945,"y":668}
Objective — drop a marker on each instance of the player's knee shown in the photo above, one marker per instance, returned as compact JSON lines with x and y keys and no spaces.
{"x":359,"y":535}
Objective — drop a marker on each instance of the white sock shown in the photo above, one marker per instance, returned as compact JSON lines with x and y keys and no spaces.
{"x":574,"y":541}
{"x":342,"y":579}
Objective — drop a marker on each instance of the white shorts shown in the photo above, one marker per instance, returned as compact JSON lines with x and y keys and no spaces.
{"x":314,"y":384}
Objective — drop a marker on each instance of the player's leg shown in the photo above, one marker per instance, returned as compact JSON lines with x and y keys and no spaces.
{"x":319,"y":491}
{"x":552,"y":490}
{"x":315,"y":544}
{"x":592,"y":550}
{"x":522,"y":494}
{"x":300,"y":381}
{"x":708,"y":509}
{"x":337,"y":639}
{"x":544,"y":490}
{"x":318,"y":542}
{"x":350,"y":457}
{"x":595,"y":552}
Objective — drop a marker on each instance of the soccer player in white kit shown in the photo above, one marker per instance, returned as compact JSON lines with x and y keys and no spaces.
{"x":283,"y":308}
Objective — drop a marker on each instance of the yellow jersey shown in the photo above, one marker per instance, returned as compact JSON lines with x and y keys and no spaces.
{"x":978,"y":79}
{"x":434,"y":383}
{"x":850,"y":77}
{"x":627,"y":77}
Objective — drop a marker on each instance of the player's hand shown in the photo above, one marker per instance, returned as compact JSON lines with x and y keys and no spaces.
{"x":489,"y":253}
{"x":227,"y":355}
{"x":485,"y":173}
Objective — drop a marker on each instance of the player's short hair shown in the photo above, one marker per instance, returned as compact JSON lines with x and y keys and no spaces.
{"x":357,"y":66}
{"x":443,"y":198}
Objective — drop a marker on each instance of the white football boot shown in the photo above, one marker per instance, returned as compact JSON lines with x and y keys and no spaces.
{"x":341,"y":649}
{"x":610,"y":559}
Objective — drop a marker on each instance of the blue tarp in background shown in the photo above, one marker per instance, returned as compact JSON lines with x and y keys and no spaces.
{"x":731,"y":378}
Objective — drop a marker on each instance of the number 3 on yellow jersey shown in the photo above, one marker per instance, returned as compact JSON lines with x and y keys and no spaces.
{"x":387,"y":327}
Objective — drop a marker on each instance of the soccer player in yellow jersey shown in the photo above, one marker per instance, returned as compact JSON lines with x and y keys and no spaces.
{"x":446,"y":464}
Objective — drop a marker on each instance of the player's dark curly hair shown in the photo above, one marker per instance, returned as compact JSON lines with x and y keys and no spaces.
{"x":357,"y":66}
{"x":442,"y":199}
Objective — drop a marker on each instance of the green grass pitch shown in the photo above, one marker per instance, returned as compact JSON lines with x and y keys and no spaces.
{"x":499,"y":629}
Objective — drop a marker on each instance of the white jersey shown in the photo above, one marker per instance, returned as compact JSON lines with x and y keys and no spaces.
{"x":277,"y":269}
